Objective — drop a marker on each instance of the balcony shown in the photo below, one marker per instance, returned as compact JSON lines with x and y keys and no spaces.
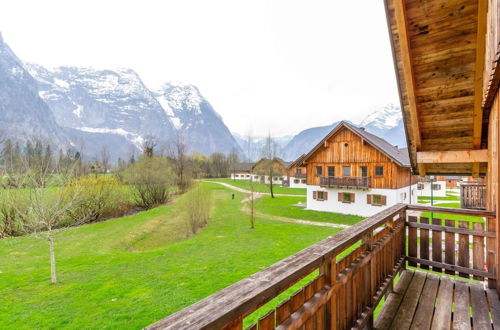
{"x":387,"y":255}
{"x":345,"y":182}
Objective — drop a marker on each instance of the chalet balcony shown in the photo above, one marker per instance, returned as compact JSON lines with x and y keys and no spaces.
{"x":345,"y":182}
{"x":387,"y":255}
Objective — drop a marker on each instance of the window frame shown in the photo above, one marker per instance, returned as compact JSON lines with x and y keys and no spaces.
{"x":319,"y":170}
{"x":361,"y":171}
{"x":328,"y":171}
{"x":377,"y":168}
{"x":343,"y":171}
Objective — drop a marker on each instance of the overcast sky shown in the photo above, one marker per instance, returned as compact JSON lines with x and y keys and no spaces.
{"x":265,"y":66}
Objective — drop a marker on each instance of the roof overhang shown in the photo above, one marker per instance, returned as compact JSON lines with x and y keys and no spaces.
{"x":438,"y":48}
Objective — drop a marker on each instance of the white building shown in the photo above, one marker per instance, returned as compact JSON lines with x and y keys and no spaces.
{"x":425,"y":186}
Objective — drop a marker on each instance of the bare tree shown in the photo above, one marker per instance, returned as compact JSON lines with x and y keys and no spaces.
{"x":149,"y":145}
{"x":177,"y":151}
{"x":105,"y":156}
{"x":270,"y":152}
{"x":252,"y":199}
{"x":249,"y":147}
{"x":233,"y":161}
{"x":47,"y":207}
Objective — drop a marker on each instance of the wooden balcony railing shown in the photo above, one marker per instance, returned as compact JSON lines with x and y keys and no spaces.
{"x":344,"y":182}
{"x":355,"y":268}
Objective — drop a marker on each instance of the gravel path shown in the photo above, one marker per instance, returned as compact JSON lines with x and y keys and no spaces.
{"x":258,"y":195}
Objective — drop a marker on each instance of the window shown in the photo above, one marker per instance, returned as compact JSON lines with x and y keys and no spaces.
{"x":420,"y":186}
{"x":299,"y":171}
{"x":319,"y":170}
{"x":379,"y":171}
{"x":376,"y":200}
{"x":346,"y":197}
{"x":303,"y":181}
{"x":236,"y":176}
{"x":331,"y":170}
{"x":296,"y":181}
{"x":346,"y":171}
{"x":320,"y":195}
{"x":403,"y":196}
{"x":364,"y":171}
{"x":248,"y":175}
{"x":436,"y":186}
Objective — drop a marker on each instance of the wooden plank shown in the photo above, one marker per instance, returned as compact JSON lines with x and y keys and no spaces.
{"x":449,"y":210}
{"x":412,"y":240}
{"x":478,"y":260}
{"x":407,"y":68}
{"x":455,"y":268}
{"x":449,"y":255}
{"x":267,"y":322}
{"x":407,"y":308}
{"x":494,"y":304}
{"x":480,"y":315}
{"x":424,"y":242}
{"x":421,"y":320}
{"x":442,"y":313}
{"x":455,"y":156}
{"x":391,"y":305}
{"x":451,"y":229}
{"x":463,"y":249}
{"x":479,"y":70}
{"x":309,"y":291}
{"x":283,"y":311}
{"x":461,"y":313}
{"x":437,"y":245}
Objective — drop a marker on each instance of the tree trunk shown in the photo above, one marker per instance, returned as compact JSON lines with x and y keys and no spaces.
{"x":53,"y":277}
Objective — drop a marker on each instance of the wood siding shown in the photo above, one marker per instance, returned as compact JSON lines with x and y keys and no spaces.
{"x":348,"y":149}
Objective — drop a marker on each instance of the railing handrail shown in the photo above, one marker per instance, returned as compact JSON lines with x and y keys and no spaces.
{"x":437,"y":209}
{"x":243,"y":297}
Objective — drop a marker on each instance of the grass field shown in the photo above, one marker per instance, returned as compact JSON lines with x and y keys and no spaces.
{"x":283,"y":206}
{"x":260,"y":187}
{"x":129,"y":272}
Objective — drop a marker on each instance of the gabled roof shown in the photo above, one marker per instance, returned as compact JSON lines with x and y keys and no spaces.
{"x":399,"y":156}
{"x":298,"y":162}
{"x":279,"y":160}
{"x":243,"y":166}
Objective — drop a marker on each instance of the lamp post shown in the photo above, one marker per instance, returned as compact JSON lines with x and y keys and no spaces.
{"x":432,"y":194}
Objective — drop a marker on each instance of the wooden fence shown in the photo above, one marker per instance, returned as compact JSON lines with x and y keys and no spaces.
{"x":345,"y":182}
{"x":355,"y":268}
{"x":473,"y":196}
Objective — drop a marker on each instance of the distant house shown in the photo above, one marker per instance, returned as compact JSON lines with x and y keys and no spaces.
{"x":242,"y":171}
{"x":297,"y":173}
{"x":353,"y":171}
{"x":435,"y":187}
{"x":451,"y":181}
{"x":262,"y":170}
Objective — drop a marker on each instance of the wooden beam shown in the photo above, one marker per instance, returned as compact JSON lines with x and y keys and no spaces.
{"x":406,"y":60}
{"x":456,"y":156}
{"x":475,"y":170}
{"x":478,"y":75}
{"x":421,"y":169}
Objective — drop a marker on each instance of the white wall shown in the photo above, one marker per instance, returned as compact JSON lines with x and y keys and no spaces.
{"x":241,"y":176}
{"x":360,"y":205}
{"x":301,"y":184}
{"x":437,"y":193}
{"x":256,"y":178}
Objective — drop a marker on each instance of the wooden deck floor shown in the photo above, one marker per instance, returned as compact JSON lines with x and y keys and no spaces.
{"x":423,"y":300}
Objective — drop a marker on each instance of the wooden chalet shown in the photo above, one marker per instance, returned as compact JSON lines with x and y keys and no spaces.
{"x":446,"y":54}
{"x":297,"y":173}
{"x":353,"y":171}
{"x":242,"y":171}
{"x":276,"y":168}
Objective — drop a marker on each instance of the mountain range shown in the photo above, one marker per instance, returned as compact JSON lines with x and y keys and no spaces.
{"x":90,"y":110}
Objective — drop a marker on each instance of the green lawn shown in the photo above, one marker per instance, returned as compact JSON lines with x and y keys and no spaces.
{"x":446,"y":216}
{"x":260,"y":187}
{"x":283,"y":206}
{"x":129,"y":272}
{"x":447,"y":198}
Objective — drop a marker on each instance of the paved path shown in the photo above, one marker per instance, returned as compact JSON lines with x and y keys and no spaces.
{"x":248,"y":191}
{"x":258,"y":195}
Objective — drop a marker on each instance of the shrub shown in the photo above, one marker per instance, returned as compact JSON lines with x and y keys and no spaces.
{"x":198,"y":204}
{"x":96,"y":198}
{"x":12,"y":210}
{"x":152,"y":180}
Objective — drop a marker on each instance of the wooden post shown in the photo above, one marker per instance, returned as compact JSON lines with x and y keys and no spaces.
{"x":370,"y":280}
{"x":329,"y":270}
{"x":491,"y":245}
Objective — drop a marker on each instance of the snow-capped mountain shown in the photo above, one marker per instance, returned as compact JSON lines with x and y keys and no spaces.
{"x":23,"y":114}
{"x":381,"y":120}
{"x":252,"y":150}
{"x":116,"y":106}
{"x":102,"y":101}
{"x":385,"y":122}
{"x":191,"y":114}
